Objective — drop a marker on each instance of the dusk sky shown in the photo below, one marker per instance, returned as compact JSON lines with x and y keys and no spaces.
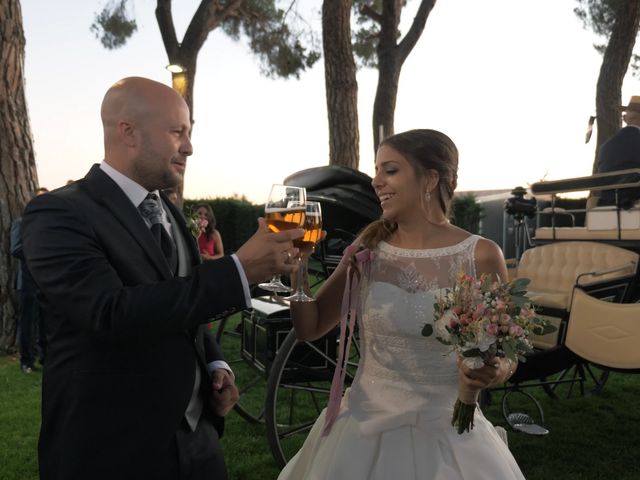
{"x":512,"y":82}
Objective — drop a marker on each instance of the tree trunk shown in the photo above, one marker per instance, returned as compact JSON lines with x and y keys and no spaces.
{"x":340,"y":83}
{"x":615,"y":63}
{"x":207,"y":18}
{"x":18,"y":176}
{"x":391,"y":57}
{"x":183,"y":84}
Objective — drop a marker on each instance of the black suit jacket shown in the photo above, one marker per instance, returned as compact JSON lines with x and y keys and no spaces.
{"x":620,"y":152}
{"x":125,"y":335}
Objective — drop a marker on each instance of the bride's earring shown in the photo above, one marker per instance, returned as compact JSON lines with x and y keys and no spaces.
{"x":427,"y":196}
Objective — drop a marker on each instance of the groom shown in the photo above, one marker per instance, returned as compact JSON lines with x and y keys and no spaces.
{"x":134,"y":387}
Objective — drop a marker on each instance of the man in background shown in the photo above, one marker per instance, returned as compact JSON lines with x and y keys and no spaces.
{"x":621,"y":152}
{"x":31,"y":329}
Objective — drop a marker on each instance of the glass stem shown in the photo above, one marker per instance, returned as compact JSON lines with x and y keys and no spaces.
{"x":300,"y":276}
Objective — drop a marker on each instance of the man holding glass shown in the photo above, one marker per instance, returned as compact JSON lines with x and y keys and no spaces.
{"x":134,"y":386}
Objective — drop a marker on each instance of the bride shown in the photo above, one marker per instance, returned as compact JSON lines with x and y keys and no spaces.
{"x":395,"y":420}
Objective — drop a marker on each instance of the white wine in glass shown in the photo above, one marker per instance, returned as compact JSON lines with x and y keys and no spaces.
{"x":284,"y":210}
{"x":312,"y":235}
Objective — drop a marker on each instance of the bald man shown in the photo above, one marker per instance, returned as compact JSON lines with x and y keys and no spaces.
{"x":134,"y":387}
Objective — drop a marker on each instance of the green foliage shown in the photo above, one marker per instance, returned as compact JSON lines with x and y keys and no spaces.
{"x":113,"y":26}
{"x":236,"y":219}
{"x":284,"y":44}
{"x":600,"y":17}
{"x":365,"y":38}
{"x":467,"y":213}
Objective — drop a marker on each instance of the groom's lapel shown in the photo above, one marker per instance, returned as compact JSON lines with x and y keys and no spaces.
{"x":109,"y":195}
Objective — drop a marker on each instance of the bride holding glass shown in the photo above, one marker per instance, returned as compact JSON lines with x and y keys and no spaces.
{"x":395,"y":419}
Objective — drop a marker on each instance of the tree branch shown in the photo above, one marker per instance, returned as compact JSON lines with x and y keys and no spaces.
{"x":417,"y":27}
{"x":208,"y":16}
{"x":367,"y":11}
{"x":167,"y":29}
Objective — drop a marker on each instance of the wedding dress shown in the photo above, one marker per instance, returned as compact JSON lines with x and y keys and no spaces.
{"x":395,"y":419}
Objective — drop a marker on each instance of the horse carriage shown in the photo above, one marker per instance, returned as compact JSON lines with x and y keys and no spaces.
{"x":585,"y":283}
{"x":584,"y":280}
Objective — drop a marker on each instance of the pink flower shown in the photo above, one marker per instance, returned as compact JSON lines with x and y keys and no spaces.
{"x":492,"y":329}
{"x":479,"y":311}
{"x":515,"y":331}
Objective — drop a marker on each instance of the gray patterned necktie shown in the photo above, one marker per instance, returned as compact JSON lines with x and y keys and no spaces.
{"x":151,"y":210}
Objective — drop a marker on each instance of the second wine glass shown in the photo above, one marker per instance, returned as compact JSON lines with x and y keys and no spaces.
{"x":284,"y":210}
{"x":312,"y":235}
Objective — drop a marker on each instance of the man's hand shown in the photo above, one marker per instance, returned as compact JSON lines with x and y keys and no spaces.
{"x":266,"y":253}
{"x":225,"y":393}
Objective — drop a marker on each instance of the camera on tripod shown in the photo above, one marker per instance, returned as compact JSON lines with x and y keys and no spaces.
{"x":519,"y":206}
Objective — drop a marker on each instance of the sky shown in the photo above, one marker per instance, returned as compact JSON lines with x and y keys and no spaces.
{"x":512,"y":82}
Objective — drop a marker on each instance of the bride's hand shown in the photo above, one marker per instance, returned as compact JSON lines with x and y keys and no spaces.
{"x":492,"y":373}
{"x":308,"y":249}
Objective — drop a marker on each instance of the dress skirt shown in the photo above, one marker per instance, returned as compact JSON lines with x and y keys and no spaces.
{"x":428,"y":450}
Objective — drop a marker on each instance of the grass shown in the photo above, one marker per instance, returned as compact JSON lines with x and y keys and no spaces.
{"x":591,"y":437}
{"x":19,"y":420}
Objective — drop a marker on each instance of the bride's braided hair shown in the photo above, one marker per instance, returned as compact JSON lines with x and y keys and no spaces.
{"x":426,"y":150}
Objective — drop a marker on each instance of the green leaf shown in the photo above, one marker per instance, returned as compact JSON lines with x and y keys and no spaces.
{"x":519,"y":286}
{"x":509,"y":350}
{"x":427,"y":330}
{"x":519,"y":300}
{"x":474,"y":352}
{"x":486,"y":285}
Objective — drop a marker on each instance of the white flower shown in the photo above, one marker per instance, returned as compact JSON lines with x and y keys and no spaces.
{"x":482,"y":340}
{"x":440,"y":325}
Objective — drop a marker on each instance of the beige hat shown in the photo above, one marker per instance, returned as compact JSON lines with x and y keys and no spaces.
{"x":634,"y":104}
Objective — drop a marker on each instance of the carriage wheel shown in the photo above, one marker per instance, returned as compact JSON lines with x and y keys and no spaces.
{"x":251,"y":382}
{"x":298,"y":390}
{"x":581,"y":379}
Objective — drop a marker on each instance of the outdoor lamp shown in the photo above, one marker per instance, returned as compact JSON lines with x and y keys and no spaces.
{"x":176,"y":68}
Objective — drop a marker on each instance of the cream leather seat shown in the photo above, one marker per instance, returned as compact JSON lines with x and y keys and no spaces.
{"x":604,"y":333}
{"x":555,"y":268}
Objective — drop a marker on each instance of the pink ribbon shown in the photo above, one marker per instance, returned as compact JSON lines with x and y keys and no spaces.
{"x":349,"y":313}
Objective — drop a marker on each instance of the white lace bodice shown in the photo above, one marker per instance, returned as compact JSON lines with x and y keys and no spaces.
{"x":403,"y":376}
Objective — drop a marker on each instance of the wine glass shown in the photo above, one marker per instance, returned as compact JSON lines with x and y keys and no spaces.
{"x":284,"y":210}
{"x":312,"y":235}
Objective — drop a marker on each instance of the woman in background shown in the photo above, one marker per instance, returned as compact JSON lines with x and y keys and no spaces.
{"x":209,"y":241}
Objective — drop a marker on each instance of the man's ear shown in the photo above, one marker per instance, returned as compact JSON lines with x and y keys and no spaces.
{"x":128,"y":133}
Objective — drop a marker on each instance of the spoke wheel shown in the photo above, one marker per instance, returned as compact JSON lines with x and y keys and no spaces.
{"x":298,"y":390}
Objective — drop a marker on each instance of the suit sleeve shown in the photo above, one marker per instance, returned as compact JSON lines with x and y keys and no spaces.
{"x":70,"y":265}
{"x":212,"y":351}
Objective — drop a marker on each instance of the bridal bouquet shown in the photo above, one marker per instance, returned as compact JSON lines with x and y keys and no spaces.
{"x":196,"y":224}
{"x":482,"y":319}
